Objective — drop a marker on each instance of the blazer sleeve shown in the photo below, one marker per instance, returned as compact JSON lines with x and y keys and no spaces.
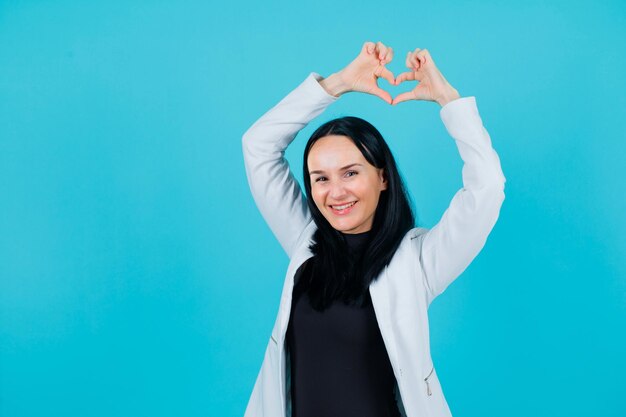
{"x":276,"y":192}
{"x":449,"y":247}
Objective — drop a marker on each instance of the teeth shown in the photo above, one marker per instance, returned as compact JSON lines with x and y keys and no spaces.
{"x":344,"y":206}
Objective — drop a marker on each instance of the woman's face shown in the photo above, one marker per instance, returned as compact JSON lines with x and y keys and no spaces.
{"x":340,"y":175}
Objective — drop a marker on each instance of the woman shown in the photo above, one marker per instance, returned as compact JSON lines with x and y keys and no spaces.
{"x":351,"y":336}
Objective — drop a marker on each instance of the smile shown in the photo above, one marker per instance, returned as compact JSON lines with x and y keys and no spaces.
{"x":344,"y":208}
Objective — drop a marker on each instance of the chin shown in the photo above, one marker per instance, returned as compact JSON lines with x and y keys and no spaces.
{"x":344,"y":228}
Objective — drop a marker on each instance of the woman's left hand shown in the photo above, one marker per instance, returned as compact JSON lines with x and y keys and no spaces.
{"x":363,"y":72}
{"x":432,"y":84}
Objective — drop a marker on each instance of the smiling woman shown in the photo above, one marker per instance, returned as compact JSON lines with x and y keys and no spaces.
{"x":353,"y":185}
{"x":351,"y":336}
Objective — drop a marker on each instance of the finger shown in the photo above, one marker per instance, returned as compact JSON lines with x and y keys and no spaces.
{"x":414,"y":54}
{"x":403,"y":97}
{"x":382,"y":94}
{"x":387,"y":75}
{"x":420,"y":57}
{"x":369,"y":47}
{"x":405,"y":76}
{"x":382,"y":50}
{"x":408,"y":60}
{"x":415,"y":62}
{"x":388,"y":56}
{"x":424,"y":56}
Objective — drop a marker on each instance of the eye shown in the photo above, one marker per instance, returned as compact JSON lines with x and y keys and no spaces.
{"x":319,"y":179}
{"x":353,"y":172}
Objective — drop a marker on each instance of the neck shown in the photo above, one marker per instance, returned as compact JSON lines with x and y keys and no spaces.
{"x":356,"y":241}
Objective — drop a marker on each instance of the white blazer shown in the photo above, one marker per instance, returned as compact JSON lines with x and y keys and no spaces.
{"x":424,"y":264}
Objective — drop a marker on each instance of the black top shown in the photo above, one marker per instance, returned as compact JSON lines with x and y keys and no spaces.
{"x":339,"y":364}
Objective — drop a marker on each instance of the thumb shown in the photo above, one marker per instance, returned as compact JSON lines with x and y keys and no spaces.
{"x":381,"y":93}
{"x":409,"y":95}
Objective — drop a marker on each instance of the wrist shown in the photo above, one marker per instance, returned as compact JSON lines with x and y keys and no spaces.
{"x":448,"y":96}
{"x":334,"y":85}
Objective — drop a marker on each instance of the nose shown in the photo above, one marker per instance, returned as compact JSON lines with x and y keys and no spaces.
{"x":337,"y":191}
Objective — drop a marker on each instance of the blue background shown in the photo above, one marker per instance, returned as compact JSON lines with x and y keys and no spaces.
{"x":137,"y":277}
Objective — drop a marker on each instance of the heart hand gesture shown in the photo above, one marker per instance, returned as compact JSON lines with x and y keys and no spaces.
{"x":363,"y":72}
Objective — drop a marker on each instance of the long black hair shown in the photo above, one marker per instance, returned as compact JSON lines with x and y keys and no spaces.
{"x":335,"y":274}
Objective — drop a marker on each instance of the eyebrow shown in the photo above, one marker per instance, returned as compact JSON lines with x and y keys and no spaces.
{"x":341,"y":169}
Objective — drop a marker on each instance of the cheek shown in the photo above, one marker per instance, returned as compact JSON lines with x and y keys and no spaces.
{"x":367,"y":191}
{"x":317,"y":195}
{"x":363,"y":190}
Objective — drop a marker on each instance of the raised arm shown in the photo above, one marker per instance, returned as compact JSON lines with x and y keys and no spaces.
{"x":276,"y":192}
{"x":449,"y":247}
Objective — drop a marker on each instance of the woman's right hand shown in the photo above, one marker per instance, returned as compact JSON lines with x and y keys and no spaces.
{"x":363,"y":72}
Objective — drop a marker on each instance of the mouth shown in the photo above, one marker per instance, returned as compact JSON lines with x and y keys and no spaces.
{"x":341,"y":209}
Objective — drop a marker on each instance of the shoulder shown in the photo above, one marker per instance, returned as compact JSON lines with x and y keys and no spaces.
{"x":410,"y":242}
{"x":414,"y":234}
{"x":305,"y":239}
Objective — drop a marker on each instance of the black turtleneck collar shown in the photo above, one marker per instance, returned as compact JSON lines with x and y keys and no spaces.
{"x":356,"y":241}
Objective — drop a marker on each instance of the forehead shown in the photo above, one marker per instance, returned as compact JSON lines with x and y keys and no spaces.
{"x":333,"y":151}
